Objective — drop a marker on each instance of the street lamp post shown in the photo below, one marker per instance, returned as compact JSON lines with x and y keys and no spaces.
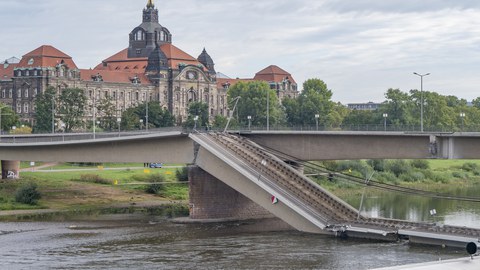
{"x":385,"y":115}
{"x":141,"y":124}
{"x":195,"y":119}
{"x":249,"y":121}
{"x":146,"y":114}
{"x":53,"y":115}
{"x":421,"y":97}
{"x":268,"y":109}
{"x":316,"y":119}
{"x":118,"y":123}
{"x":462,"y":115}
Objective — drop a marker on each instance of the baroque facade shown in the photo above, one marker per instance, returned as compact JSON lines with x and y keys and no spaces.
{"x":150,"y":69}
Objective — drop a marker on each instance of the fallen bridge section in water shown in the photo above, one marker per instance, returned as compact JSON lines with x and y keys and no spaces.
{"x":286,"y":193}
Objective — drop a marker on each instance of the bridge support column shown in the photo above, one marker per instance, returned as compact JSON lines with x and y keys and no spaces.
{"x":210,"y":198}
{"x":10,"y":169}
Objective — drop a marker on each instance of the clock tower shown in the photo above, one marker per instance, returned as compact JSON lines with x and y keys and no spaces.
{"x":144,"y":38}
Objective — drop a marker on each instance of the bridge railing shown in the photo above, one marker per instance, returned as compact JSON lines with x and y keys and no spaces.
{"x":59,"y":137}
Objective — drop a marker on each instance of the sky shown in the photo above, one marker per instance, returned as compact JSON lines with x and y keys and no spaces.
{"x":359,"y":48}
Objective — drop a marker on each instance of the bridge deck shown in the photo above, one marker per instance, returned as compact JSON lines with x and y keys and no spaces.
{"x":334,"y":215}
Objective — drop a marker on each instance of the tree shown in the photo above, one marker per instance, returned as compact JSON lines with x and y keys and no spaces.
{"x":314,"y":99}
{"x":72,"y":102}
{"x":253,"y":102}
{"x":157,"y":116}
{"x":107,"y":111}
{"x":400,"y":108}
{"x":44,"y":104}
{"x":199,"y":109}
{"x":8,"y":117}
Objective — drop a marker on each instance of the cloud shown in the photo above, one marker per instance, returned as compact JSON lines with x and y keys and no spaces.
{"x":359,"y":48}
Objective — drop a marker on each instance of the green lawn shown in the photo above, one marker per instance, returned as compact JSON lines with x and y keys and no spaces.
{"x":445,"y":164}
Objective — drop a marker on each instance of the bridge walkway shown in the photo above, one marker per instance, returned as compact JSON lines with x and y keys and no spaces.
{"x":334,"y":215}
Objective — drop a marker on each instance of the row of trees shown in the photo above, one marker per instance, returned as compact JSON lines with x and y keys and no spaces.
{"x":400,"y":109}
{"x":70,"y":108}
{"x":257,"y":103}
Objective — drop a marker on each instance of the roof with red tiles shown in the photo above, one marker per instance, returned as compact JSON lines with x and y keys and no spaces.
{"x":46,"y":56}
{"x":273,"y":74}
{"x":113,"y":76}
{"x":6,"y":71}
{"x":120,"y":60}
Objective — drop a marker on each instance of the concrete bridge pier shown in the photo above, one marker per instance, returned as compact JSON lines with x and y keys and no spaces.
{"x":210,"y":198}
{"x":10,"y":169}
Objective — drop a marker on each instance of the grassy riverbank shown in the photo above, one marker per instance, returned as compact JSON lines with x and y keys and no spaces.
{"x":443,"y":176}
{"x":93,"y":188}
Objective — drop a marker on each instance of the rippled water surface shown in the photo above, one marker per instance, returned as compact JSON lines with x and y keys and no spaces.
{"x":140,"y":243}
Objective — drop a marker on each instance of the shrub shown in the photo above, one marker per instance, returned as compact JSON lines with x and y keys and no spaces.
{"x":354,"y":165}
{"x":398,"y":167}
{"x":412,"y":176}
{"x":461,"y":175}
{"x":420,"y":164}
{"x":385,"y":177}
{"x":182,"y":174}
{"x":156,"y":181}
{"x":377,"y":164}
{"x":441,"y":177}
{"x":94,"y":178}
{"x":28,"y":194}
{"x":470,"y":166}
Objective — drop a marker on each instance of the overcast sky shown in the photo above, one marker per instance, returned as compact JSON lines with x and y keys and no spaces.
{"x":360,"y":48}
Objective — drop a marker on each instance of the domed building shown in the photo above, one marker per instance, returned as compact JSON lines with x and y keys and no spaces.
{"x":151,"y":69}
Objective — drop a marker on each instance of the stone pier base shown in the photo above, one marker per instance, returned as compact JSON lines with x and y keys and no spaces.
{"x":10,"y":169}
{"x":210,"y":198}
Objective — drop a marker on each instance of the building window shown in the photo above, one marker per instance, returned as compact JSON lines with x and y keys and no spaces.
{"x":35,"y":92}
{"x":26,"y":93}
{"x":25,"y":108}
{"x":10,"y":93}
{"x":139,"y":51}
{"x":3,"y":93}
{"x":139,"y":35}
{"x":19,"y":107}
{"x":137,"y":96}
{"x":144,"y":97}
{"x":27,"y":73}
{"x":121,"y":95}
{"x":105,"y":94}
{"x":19,"y":93}
{"x":90,"y":93}
{"x":115,"y":95}
{"x":129,"y":96}
{"x":35,"y":72}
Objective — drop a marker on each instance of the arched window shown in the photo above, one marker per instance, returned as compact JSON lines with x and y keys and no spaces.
{"x":162,"y":36}
{"x":139,"y":35}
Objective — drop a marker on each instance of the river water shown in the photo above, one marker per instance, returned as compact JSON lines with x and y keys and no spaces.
{"x":141,"y":242}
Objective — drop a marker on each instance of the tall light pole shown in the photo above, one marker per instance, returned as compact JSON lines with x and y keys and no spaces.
{"x":249,"y":121}
{"x":421,"y":97}
{"x":385,"y":115}
{"x":316,"y":119}
{"x":146,"y":113}
{"x":195,"y":119}
{"x":94,"y":120}
{"x":268,"y":110}
{"x":53,"y":114}
{"x":462,"y":115}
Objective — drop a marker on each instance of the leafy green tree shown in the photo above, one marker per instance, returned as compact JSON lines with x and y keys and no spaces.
{"x":219,"y":122}
{"x":314,"y":99}
{"x":199,"y":109}
{"x":72,"y":102}
{"x":253,"y":102}
{"x":400,"y":108}
{"x":361,"y":117}
{"x":107,"y":113}
{"x":43,"y":113}
{"x":157,"y":116}
{"x":8,"y":117}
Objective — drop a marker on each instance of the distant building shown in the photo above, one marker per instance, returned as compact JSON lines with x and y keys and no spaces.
{"x":150,"y":69}
{"x":369,"y":106}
